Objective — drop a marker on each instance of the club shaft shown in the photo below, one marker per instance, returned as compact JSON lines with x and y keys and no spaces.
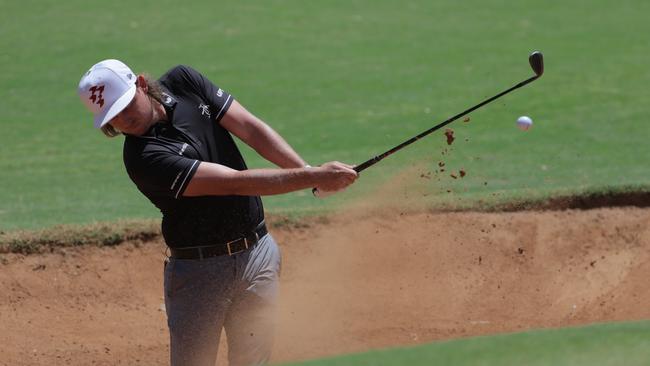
{"x":370,"y":162}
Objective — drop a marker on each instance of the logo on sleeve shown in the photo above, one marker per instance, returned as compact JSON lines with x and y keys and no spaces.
{"x":205,"y":110}
{"x":183,"y":148}
{"x":220,"y":93}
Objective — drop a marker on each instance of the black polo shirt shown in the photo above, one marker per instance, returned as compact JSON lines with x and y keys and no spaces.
{"x":162,"y":162}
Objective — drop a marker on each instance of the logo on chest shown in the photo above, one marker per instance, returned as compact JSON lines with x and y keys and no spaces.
{"x":205,"y":110}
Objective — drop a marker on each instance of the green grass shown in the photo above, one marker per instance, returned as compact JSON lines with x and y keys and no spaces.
{"x":69,"y":235}
{"x":602,"y":345}
{"x":111,"y":233}
{"x":340,"y":80}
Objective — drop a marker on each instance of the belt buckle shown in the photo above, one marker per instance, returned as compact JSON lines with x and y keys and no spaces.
{"x":230,"y":252}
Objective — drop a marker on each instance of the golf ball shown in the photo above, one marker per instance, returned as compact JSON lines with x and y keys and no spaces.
{"x":524,"y":123}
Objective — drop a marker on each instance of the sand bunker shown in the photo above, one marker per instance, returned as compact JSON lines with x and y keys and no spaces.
{"x":353,"y":283}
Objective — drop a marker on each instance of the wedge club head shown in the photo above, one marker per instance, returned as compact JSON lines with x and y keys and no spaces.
{"x":536,"y":60}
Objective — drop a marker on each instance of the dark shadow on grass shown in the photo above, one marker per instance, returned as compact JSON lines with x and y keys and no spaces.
{"x":586,"y":201}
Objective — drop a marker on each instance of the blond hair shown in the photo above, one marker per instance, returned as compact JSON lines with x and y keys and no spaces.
{"x":154,"y":91}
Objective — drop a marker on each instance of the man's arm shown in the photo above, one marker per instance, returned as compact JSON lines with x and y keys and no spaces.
{"x":260,"y":136}
{"x":216,"y":179}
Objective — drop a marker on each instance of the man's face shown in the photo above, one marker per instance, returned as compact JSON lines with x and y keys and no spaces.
{"x":136,"y":118}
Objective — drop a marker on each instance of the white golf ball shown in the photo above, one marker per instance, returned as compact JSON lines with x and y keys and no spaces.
{"x":524,"y":123}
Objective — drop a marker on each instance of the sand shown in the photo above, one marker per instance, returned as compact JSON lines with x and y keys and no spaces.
{"x":351,"y":283}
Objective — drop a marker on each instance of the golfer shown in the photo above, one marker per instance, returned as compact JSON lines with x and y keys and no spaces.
{"x":224,"y":266}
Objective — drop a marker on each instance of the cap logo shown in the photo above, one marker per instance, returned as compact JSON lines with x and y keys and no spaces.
{"x":97,"y":99}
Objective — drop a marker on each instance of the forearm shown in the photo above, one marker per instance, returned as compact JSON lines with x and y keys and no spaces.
{"x":218,"y":180}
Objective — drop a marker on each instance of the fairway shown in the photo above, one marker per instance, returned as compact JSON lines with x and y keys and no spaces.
{"x":474,"y":250}
{"x":341,"y":81}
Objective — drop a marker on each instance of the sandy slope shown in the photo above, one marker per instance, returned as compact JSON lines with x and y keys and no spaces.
{"x":357,"y":282}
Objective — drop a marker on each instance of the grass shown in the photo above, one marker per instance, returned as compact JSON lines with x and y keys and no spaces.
{"x":70,"y":235}
{"x":603,"y":345}
{"x":111,"y":233}
{"x":345,"y":80}
{"x":341,"y":81}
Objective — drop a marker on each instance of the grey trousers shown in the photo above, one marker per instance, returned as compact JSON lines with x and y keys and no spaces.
{"x":237,"y":293}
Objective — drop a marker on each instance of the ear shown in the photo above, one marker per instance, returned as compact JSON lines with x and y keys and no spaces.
{"x":141,"y":82}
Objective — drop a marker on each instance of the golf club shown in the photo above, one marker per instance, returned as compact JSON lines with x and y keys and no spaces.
{"x":536,"y":61}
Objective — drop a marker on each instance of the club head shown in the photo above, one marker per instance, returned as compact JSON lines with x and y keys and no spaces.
{"x":536,"y":60}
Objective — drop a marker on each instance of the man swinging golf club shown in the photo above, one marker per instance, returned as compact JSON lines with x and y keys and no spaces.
{"x":179,"y":151}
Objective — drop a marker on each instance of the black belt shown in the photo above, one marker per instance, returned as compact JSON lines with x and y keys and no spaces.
{"x":229,"y":248}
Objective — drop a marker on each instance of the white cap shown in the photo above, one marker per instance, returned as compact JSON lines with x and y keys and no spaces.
{"x":106,"y":89}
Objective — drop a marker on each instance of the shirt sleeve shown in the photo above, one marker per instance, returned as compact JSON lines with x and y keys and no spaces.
{"x":161,"y":173}
{"x":218,"y":99}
